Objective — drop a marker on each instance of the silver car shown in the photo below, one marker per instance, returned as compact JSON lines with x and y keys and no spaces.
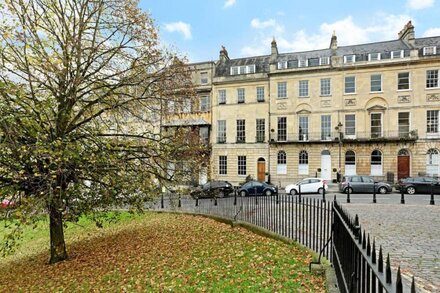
{"x":363,"y":184}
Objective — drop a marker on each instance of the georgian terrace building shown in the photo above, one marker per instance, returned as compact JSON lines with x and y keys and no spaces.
{"x":370,"y":109}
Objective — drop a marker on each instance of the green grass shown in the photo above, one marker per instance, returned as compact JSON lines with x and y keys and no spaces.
{"x":156,"y":253}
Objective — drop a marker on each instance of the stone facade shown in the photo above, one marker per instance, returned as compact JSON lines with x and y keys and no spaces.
{"x":364,"y":109}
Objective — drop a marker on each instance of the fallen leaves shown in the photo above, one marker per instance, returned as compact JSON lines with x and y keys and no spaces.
{"x":167,"y":252}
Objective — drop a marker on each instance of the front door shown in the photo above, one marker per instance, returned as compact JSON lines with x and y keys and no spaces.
{"x":326,"y":165}
{"x":261,"y":169}
{"x":403,"y":162}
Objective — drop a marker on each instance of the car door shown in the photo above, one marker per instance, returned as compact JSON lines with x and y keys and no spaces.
{"x":367,"y":184}
{"x":305,"y":186}
{"x":430,"y":182}
{"x":315,"y":184}
{"x":356,"y":183}
{"x":259,"y":187}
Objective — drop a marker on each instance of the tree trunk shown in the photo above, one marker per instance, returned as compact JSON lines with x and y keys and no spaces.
{"x":57,"y":245}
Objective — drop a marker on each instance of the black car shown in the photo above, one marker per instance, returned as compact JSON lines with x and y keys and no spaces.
{"x":413,"y":185}
{"x":257,"y":188}
{"x":212,"y":189}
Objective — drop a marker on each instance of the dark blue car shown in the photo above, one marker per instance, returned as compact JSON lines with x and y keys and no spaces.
{"x":257,"y":188}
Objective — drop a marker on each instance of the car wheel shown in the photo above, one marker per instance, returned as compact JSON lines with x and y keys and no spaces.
{"x":293,"y":192}
{"x":349,"y":189}
{"x":411,"y":190}
{"x":268,"y":192}
{"x":243,"y":193}
{"x":382,"y":190}
{"x":321,"y":190}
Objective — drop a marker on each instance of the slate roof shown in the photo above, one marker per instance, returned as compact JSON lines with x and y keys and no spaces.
{"x":361,"y":51}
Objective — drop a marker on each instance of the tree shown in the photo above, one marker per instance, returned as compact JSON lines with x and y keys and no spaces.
{"x":83,"y":87}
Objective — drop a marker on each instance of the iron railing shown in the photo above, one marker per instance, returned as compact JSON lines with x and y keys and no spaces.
{"x":321,"y":225}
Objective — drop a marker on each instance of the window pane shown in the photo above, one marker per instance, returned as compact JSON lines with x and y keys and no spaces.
{"x":260,"y":94}
{"x":403,"y":122}
{"x":282,"y":128}
{"x":350,"y":124}
{"x":376,"y":125}
{"x":241,"y":165}
{"x":303,"y":130}
{"x":303,"y":88}
{"x":432,"y":121}
{"x":241,"y":131}
{"x":431,"y":78}
{"x":223,"y":165}
{"x":376,"y":83}
{"x":325,"y":87}
{"x":222,"y":96}
{"x":221,"y":131}
{"x":260,"y":130}
{"x":240,"y":95}
{"x":282,"y":90}
{"x":350,"y":84}
{"x":326,"y":127}
{"x":403,"y":81}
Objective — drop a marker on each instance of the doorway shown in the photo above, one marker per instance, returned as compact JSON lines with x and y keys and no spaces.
{"x":326,"y":165}
{"x":403,"y":164}
{"x":261,"y":170}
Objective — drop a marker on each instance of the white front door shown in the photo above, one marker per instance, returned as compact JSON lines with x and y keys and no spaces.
{"x":326,"y":165}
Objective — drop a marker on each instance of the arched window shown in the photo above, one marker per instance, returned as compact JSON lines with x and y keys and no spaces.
{"x":350,"y":163}
{"x":303,"y":166}
{"x":376,"y":163}
{"x":282,"y":163}
{"x":433,"y":162}
{"x":403,"y":153}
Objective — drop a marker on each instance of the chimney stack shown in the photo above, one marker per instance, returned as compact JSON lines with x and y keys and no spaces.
{"x":407,"y":34}
{"x":334,"y":42}
{"x":273,"y":51}
{"x":223,"y":55}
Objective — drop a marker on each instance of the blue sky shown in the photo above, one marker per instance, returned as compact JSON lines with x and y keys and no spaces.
{"x":197,"y":28}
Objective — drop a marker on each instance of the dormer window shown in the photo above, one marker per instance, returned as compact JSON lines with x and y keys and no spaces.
{"x":313,"y":62}
{"x":429,"y":51}
{"x":282,"y":65}
{"x":373,"y":56}
{"x":235,"y":70}
{"x":302,"y":63}
{"x":397,"y":54}
{"x":324,"y":61}
{"x":349,"y":58}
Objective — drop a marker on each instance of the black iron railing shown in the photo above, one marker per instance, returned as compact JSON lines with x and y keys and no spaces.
{"x":321,"y":225}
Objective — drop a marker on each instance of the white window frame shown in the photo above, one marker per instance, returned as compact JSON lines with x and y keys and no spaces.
{"x":241,"y":95}
{"x":325,"y":89}
{"x":241,"y":166}
{"x":377,"y":134}
{"x":376,"y":169}
{"x":303,"y":62}
{"x":282,"y":129}
{"x":221,"y":131}
{"x":432,"y":122}
{"x":409,"y":81}
{"x":204,"y":77}
{"x":303,"y":163}
{"x":354,"y":85}
{"x":377,"y":59}
{"x":432,"y":80}
{"x":303,"y":135}
{"x":427,"y":49}
{"x":282,"y":65}
{"x":260,"y":94}
{"x":281,"y":163}
{"x":349,"y":59}
{"x":241,"y":130}
{"x":433,"y":162}
{"x":223,"y":165}
{"x":303,"y":88}
{"x":397,"y":54}
{"x":399,"y":125}
{"x":349,"y":135}
{"x":221,"y":97}
{"x":260,"y":130}
{"x":282,"y":93}
{"x":324,"y":60}
{"x":371,"y":83}
{"x":205,"y":104}
{"x":350,"y":169}
{"x":326,"y":127}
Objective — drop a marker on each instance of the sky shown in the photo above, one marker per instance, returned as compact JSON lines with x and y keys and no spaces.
{"x":198,"y":28}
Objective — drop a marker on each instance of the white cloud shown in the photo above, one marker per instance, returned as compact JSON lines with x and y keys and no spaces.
{"x":229,"y":3}
{"x":419,"y":4}
{"x":432,"y":32}
{"x":381,"y":28}
{"x":270,"y":23}
{"x":181,"y":27}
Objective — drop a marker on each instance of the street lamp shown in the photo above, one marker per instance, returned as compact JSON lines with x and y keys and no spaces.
{"x":339,"y":129}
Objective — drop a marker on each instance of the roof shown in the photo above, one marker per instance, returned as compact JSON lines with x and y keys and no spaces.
{"x":261,"y":64}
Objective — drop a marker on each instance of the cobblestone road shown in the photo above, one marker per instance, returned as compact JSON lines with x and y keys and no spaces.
{"x":410,"y":233}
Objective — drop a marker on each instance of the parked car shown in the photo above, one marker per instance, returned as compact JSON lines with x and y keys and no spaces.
{"x":258,"y":188}
{"x":212,"y":189}
{"x":413,"y":185}
{"x":308,"y":185}
{"x":360,"y":184}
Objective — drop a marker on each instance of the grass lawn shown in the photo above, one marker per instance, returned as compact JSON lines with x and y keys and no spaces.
{"x":156,"y":253}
